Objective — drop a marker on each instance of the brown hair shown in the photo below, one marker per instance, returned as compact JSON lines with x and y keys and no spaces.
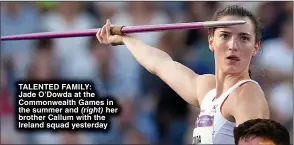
{"x":262,"y":128}
{"x":235,"y":10}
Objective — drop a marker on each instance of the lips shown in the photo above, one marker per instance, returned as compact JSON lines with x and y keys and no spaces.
{"x":233,"y":57}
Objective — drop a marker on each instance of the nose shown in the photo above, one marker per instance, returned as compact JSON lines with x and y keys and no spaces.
{"x":232,"y":44}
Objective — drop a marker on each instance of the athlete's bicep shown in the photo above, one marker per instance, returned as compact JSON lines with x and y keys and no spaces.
{"x":250,"y":104}
{"x":182,"y":80}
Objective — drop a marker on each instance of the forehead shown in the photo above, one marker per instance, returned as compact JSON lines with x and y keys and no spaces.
{"x":256,"y":141}
{"x":248,"y":27}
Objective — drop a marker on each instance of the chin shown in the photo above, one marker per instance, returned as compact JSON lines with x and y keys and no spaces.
{"x":232,"y":70}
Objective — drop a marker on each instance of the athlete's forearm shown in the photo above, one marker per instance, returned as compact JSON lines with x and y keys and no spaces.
{"x":149,"y":57}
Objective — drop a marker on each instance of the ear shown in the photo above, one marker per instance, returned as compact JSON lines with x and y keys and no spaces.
{"x":256,"y":48}
{"x":210,"y":42}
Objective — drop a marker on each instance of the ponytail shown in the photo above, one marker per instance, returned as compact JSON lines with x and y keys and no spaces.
{"x":250,"y":74}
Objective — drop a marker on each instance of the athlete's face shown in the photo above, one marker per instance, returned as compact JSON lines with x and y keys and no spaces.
{"x":234,"y":46}
{"x":256,"y":141}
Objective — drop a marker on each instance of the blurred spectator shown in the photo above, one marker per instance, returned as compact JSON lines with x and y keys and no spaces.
{"x":107,"y":10}
{"x":171,"y":116}
{"x":171,"y":110}
{"x":288,"y":8}
{"x":43,"y":65}
{"x":272,"y":18}
{"x":172,"y":43}
{"x":45,"y":6}
{"x":198,"y":57}
{"x":136,"y":13}
{"x":106,"y":82}
{"x":72,"y":52}
{"x":6,"y":105}
{"x":174,"y":9}
{"x":106,"y":85}
{"x":276,"y":57}
{"x":280,"y":100}
{"x":197,"y":12}
{"x":17,"y":18}
{"x":8,"y":133}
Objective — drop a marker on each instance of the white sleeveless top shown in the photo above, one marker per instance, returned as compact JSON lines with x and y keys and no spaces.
{"x":211,"y":127}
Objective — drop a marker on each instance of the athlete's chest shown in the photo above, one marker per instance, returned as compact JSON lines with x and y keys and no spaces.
{"x":214,"y":122}
{"x":209,"y":121}
{"x":206,"y":116}
{"x":204,"y":124}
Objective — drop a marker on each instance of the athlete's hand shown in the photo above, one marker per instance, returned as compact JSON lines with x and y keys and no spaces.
{"x":104,"y":35}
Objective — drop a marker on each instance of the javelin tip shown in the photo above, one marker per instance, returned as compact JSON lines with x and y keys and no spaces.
{"x":210,"y":24}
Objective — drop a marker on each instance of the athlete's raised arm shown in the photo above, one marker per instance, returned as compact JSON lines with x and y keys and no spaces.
{"x":189,"y":85}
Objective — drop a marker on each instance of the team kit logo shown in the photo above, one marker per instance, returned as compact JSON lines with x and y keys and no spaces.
{"x":204,"y":120}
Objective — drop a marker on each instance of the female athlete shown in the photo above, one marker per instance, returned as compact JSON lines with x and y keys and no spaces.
{"x":226,"y":99}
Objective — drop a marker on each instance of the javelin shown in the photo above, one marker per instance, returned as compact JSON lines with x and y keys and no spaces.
{"x":123,"y":30}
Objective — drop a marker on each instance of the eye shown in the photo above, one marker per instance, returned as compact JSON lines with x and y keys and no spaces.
{"x":224,"y":36}
{"x":243,"y":38}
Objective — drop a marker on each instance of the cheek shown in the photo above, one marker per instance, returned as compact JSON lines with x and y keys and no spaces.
{"x":219,"y":49}
{"x":247,"y":51}
{"x":220,"y":45}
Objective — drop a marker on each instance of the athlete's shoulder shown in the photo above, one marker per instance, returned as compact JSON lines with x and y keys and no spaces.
{"x":249,"y":92}
{"x":250,"y":102}
{"x":251,"y":89}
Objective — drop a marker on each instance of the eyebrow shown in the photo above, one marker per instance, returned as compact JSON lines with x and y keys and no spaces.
{"x":242,"y":33}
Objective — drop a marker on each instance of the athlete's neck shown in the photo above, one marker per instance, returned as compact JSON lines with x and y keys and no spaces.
{"x":225,"y":81}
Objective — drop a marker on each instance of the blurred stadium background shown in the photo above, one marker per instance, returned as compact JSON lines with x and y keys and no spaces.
{"x":152,"y":112}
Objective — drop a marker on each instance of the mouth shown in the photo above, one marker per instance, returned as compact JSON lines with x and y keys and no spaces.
{"x":233,"y":58}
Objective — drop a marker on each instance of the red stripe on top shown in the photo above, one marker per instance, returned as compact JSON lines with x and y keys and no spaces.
{"x":228,"y":96}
